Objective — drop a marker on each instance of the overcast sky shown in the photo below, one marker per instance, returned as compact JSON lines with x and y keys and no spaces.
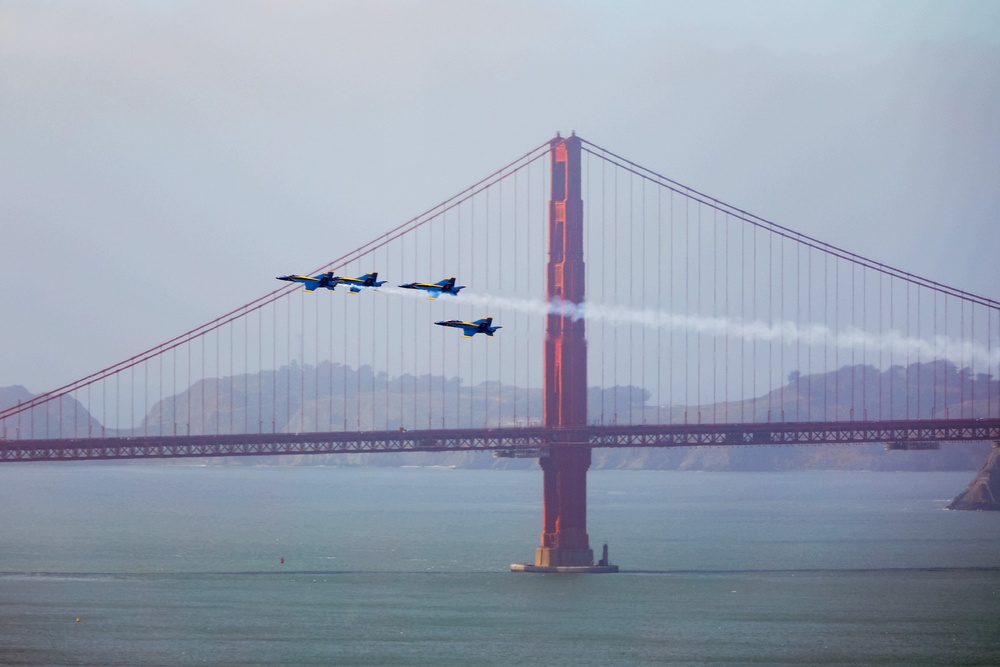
{"x":161,"y":162}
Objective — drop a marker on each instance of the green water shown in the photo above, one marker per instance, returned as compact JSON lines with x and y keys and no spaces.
{"x":172,"y":565}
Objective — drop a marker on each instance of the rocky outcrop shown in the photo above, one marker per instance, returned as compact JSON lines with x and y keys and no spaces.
{"x":983,"y":492}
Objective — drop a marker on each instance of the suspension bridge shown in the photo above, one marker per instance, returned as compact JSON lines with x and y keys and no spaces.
{"x":636,"y":312}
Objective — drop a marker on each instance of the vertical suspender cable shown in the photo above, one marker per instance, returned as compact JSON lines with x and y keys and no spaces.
{"x":864,"y":350}
{"x":892,"y":329}
{"x":343,"y":366}
{"x":218,"y":372}
{"x":961,"y":368}
{"x":329,"y":367}
{"x":485,"y":396}
{"x":782,"y":315}
{"x":714,"y":368}
{"x":359,"y":367}
{"x":499,"y":348}
{"x":687,"y":306}
{"x":988,"y":372}
{"x":315,"y":390}
{"x":833,"y":325}
{"x":771,"y":287}
{"x":612,"y":350}
{"x":671,"y":237}
{"x":852,"y":398}
{"x":743,"y":314}
{"x":881,"y":335}
{"x":302,"y":361}
{"x":727,"y":343}
{"x":232,"y":377}
{"x":203,"y":382}
{"x":604,"y":338}
{"x":288,"y":367}
{"x":920,"y":369}
{"x":935,"y":383}
{"x":515,"y":314}
{"x":642,"y":292}
{"x":260,"y":371}
{"x":631,"y":282}
{"x":700,"y":277}
{"x":659,"y":301}
{"x":754,"y":266}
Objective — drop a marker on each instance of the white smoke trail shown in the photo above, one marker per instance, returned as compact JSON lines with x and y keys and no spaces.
{"x":960,"y":352}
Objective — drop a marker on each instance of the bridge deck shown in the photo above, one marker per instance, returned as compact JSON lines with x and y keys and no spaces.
{"x":899,"y":434}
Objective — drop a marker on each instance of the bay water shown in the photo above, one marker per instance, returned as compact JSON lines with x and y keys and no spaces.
{"x":166,"y":564}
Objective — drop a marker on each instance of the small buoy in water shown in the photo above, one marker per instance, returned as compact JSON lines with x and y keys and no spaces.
{"x":77,"y":619}
{"x":282,"y":560}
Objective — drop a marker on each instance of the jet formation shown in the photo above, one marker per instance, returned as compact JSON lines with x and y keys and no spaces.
{"x":330,"y":281}
{"x":370,"y":280}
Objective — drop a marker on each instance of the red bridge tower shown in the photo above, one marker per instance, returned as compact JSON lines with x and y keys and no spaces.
{"x":565,"y":543}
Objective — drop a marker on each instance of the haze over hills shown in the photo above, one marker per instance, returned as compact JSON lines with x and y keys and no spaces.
{"x":63,"y":417}
{"x":305,"y":398}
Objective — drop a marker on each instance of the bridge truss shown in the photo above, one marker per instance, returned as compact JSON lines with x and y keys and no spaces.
{"x":514,"y":441}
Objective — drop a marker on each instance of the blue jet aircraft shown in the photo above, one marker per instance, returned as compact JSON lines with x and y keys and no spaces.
{"x":434,"y":290}
{"x":367,"y":280}
{"x":470,"y":329}
{"x":327,"y":280}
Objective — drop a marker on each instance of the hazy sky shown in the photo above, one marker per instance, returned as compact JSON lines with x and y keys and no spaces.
{"x":161,"y":162}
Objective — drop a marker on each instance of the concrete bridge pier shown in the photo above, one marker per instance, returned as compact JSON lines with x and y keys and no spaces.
{"x":564,"y":518}
{"x":565,"y":545}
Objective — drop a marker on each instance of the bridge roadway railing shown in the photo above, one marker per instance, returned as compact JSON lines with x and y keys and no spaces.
{"x":512,"y":441}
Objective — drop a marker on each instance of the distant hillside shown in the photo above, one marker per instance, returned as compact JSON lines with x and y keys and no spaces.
{"x":333,"y":397}
{"x":930,"y":390}
{"x":61,"y":418}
